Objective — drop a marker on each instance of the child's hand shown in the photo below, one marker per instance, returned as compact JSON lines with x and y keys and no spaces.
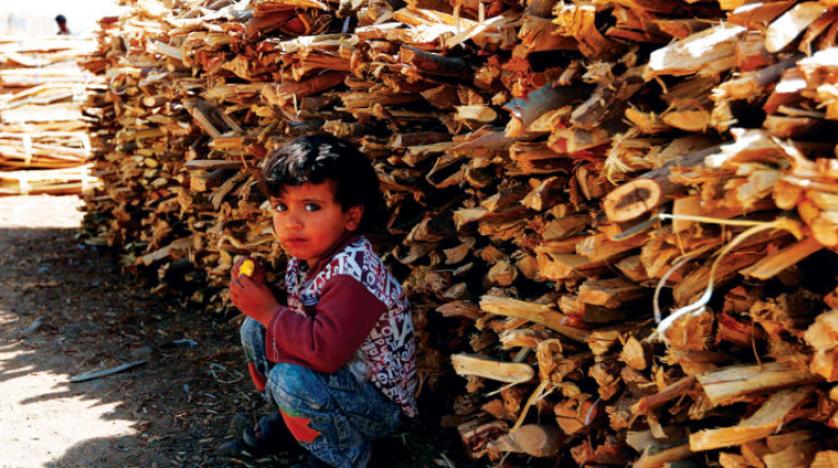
{"x":258,"y":272}
{"x":251,"y":295}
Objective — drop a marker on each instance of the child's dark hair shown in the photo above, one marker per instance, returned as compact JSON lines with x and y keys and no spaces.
{"x":318,"y":158}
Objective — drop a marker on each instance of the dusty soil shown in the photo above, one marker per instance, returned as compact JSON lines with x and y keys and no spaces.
{"x":66,"y":308}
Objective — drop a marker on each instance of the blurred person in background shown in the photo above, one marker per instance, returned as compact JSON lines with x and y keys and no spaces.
{"x":61,"y":21}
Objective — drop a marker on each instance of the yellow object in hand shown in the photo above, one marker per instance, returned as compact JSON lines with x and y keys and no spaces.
{"x":247,"y":267}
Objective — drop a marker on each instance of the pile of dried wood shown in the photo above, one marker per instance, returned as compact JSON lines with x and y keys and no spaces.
{"x":43,"y":135}
{"x":626,"y":211}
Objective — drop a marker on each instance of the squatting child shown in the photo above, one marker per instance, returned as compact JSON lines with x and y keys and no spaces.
{"x":338,"y":358}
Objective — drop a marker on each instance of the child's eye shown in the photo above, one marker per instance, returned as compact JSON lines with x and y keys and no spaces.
{"x":312,"y":207}
{"x":280,"y":207}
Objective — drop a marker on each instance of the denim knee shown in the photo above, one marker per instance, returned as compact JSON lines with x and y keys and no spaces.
{"x":252,"y":333}
{"x":253,"y":342}
{"x":297,"y":388}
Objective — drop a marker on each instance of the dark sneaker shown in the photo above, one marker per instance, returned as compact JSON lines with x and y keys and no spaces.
{"x":269,"y":435}
{"x":314,"y":462}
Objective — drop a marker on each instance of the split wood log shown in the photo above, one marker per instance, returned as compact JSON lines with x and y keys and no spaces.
{"x":493,"y":370}
{"x":536,"y":313}
{"x":759,"y":425}
{"x":532,"y":439}
{"x":660,"y":455}
{"x":645,"y":193}
{"x":825,"y":459}
{"x":727,"y":384}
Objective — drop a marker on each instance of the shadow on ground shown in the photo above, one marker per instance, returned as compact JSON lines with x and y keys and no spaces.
{"x":91,"y":317}
{"x":67,"y":309}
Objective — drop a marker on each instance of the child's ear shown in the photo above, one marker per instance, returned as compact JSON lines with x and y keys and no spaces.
{"x":353,"y":216}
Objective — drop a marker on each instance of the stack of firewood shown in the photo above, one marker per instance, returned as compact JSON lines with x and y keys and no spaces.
{"x":44,"y":143}
{"x":625,"y":211}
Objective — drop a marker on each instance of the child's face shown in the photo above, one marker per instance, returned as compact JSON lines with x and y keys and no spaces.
{"x":308,"y":220}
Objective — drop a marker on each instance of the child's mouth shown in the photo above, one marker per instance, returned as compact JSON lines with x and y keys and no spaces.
{"x":295,"y":241}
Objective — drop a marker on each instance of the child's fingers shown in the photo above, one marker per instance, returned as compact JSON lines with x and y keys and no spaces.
{"x":238,"y":298}
{"x":237,"y":264}
{"x":236,"y":285}
{"x":258,"y":271}
{"x":246,"y":285}
{"x":249,"y":282}
{"x":261,"y":276}
{"x":234,"y":298}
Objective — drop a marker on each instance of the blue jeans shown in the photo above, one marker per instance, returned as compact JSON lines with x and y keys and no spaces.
{"x":333,"y":416}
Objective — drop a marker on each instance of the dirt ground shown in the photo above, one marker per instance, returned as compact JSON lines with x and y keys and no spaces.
{"x":66,"y":308}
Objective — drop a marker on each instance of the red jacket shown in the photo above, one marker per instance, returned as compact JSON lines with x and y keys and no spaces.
{"x":348,"y":310}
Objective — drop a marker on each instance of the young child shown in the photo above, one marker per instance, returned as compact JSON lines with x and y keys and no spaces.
{"x":338,"y":358}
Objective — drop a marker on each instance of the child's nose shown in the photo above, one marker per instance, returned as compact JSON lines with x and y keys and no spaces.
{"x":294,"y":221}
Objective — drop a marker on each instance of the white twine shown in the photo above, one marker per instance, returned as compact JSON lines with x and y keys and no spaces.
{"x":27,"y":150}
{"x":85,"y":143}
{"x":85,"y":184}
{"x":23,"y":183}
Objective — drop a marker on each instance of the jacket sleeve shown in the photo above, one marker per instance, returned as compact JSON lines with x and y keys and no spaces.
{"x":328,"y":339}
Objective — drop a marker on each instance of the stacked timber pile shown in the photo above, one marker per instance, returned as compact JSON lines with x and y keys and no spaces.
{"x":44,"y":143}
{"x":626,"y":211}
